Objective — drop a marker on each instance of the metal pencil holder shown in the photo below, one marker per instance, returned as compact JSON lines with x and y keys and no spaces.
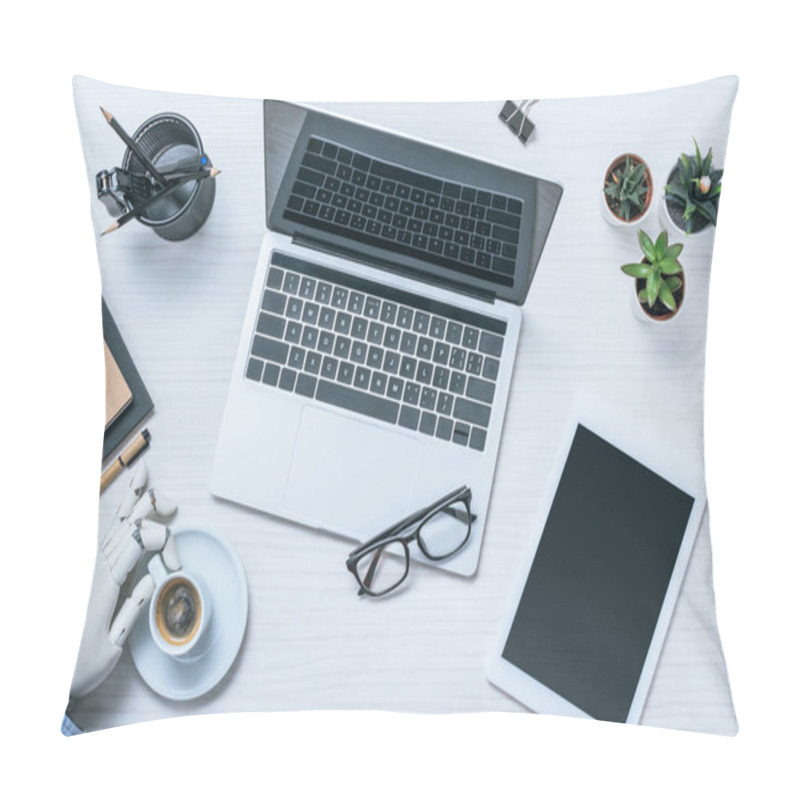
{"x":167,"y":139}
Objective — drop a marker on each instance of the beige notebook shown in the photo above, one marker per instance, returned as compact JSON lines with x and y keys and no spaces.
{"x":118,"y":393}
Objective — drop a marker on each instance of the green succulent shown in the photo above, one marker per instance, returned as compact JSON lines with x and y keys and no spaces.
{"x":696,"y":189}
{"x":627,"y":186}
{"x":661,"y":270}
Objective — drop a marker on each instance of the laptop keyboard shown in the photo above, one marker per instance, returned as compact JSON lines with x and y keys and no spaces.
{"x":387,"y":354}
{"x":465,"y":228}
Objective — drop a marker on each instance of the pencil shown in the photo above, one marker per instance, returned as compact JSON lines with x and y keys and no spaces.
{"x":124,"y":459}
{"x":138,"y":210}
{"x":195,"y":174}
{"x":120,"y":131}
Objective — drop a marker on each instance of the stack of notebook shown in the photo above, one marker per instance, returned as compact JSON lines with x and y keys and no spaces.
{"x":127,"y":399}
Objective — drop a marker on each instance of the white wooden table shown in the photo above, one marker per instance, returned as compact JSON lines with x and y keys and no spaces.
{"x":311,"y":642}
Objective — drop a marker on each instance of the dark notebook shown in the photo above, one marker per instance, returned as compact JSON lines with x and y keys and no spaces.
{"x":132,"y":416}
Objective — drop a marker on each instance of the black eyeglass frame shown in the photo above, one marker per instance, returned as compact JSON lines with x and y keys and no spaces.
{"x":395,"y":533}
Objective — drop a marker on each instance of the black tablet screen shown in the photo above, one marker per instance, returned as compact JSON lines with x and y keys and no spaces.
{"x":597,"y":583}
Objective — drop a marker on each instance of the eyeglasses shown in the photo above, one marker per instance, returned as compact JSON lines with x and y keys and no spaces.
{"x":440,"y":530}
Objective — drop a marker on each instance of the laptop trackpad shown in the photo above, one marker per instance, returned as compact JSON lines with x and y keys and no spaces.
{"x":348,"y":476}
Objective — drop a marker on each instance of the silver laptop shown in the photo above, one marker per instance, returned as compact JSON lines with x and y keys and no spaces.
{"x":378,"y":345}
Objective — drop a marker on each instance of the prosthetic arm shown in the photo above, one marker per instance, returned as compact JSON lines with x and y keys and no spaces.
{"x":139,"y":526}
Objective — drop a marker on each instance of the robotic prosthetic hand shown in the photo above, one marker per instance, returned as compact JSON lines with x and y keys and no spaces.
{"x":138,"y":526}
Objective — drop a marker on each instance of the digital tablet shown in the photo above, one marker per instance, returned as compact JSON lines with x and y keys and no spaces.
{"x":590,"y":611}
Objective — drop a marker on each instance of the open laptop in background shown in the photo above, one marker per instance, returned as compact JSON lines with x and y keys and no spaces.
{"x":378,"y":345}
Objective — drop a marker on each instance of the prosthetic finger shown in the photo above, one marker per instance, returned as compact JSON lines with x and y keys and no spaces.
{"x":136,"y":487}
{"x":152,"y":535}
{"x":143,"y":534}
{"x":161,"y":504}
{"x":123,"y":559}
{"x":131,"y":608}
{"x":151,"y":504}
{"x":119,"y":538}
{"x":169,"y":555}
{"x":120,"y":529}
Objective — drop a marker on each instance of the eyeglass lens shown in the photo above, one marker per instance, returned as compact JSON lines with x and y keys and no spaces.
{"x":446,"y":531}
{"x":384,"y":568}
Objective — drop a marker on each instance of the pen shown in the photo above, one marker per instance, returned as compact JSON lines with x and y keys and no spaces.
{"x":139,"y":443}
{"x":186,"y":164}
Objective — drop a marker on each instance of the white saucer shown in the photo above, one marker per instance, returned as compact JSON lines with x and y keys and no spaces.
{"x":213,"y":561}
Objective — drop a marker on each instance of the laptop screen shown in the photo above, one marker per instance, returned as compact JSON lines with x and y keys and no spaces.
{"x":401,"y":204}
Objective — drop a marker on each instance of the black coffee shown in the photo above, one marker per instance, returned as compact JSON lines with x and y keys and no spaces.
{"x":178,"y":612}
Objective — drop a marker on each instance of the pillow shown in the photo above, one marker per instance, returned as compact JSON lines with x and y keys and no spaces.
{"x":241,"y":457}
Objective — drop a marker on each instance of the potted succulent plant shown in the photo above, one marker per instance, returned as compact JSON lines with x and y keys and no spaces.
{"x":660,"y":280}
{"x":691,"y":196}
{"x":627,"y":190}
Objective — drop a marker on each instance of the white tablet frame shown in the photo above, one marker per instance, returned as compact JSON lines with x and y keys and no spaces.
{"x":616,"y":430}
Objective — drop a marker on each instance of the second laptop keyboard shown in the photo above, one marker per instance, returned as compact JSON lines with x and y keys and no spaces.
{"x":461,"y":227}
{"x":356,"y":344}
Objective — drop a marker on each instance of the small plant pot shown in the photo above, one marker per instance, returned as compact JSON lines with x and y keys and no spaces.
{"x":670,"y":216}
{"x":659,"y":312}
{"x":614,"y":217}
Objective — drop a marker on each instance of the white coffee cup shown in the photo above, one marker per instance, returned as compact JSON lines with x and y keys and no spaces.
{"x":180,"y":610}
